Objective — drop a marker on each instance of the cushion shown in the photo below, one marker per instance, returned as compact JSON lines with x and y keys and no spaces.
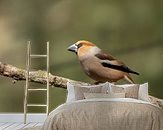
{"x":131,"y":91}
{"x":76,"y":91}
{"x":103,"y":95}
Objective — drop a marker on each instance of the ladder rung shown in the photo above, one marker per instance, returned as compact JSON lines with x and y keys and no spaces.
{"x":38,"y":56}
{"x":37,"y":89}
{"x":36,"y":105}
{"x":33,"y":69}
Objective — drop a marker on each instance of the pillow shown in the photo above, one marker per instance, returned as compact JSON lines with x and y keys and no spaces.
{"x":131,"y":91}
{"x":142,"y":92}
{"x":103,"y":95}
{"x":70,"y":90}
{"x":76,"y":91}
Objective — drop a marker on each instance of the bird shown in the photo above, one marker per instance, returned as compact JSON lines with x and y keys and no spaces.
{"x":100,"y":66}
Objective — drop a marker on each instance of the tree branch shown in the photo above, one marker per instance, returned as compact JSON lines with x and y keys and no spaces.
{"x":34,"y":76}
{"x":40,"y":77}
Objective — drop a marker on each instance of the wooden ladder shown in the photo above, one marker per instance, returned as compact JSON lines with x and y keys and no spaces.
{"x":27,"y":89}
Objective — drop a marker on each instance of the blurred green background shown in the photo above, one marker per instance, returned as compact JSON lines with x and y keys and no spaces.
{"x":131,"y":30}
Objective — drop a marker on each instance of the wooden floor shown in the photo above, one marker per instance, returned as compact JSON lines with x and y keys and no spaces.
{"x":14,"y":121}
{"x":18,"y":126}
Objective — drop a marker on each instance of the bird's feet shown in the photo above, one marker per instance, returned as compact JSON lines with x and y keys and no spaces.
{"x":97,"y":82}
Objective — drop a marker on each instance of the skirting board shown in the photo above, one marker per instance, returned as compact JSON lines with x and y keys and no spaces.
{"x":19,"y":117}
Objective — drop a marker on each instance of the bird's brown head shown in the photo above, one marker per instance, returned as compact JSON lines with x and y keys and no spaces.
{"x":81,"y":47}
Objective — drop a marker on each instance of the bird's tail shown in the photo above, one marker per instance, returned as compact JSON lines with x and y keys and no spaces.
{"x":133,"y":72}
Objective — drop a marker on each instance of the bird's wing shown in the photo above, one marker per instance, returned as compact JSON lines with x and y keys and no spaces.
{"x":118,"y":67}
{"x":111,"y":62}
{"x":108,"y":58}
{"x":104,"y":56}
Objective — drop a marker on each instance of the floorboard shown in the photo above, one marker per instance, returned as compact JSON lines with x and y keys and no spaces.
{"x":14,"y":121}
{"x":5,"y":126}
{"x":13,"y":126}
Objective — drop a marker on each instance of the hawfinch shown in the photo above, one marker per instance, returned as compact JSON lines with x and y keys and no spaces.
{"x":100,"y":66}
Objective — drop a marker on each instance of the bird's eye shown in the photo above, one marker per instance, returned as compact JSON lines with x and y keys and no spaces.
{"x":79,"y":45}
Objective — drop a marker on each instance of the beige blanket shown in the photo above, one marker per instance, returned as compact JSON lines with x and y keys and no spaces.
{"x":105,"y":114}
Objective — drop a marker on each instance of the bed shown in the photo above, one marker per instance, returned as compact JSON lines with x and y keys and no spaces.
{"x":105,"y":114}
{"x":106,"y":107}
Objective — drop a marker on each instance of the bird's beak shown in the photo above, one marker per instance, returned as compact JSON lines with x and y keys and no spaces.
{"x":72,"y":48}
